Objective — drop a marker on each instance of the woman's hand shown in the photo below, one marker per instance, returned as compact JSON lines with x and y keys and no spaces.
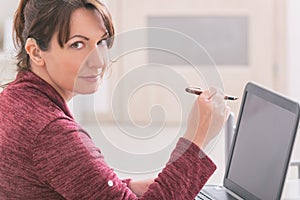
{"x":207,"y":117}
{"x":140,"y":187}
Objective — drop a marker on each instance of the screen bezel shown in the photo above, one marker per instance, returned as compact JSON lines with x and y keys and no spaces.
{"x":276,"y":99}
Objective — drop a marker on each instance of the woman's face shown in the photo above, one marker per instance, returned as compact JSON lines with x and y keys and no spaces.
{"x":78,"y":67}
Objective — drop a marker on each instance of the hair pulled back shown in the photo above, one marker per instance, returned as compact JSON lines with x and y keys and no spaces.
{"x":40,"y":19}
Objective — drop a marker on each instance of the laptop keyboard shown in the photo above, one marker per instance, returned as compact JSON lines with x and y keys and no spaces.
{"x":218,"y":194}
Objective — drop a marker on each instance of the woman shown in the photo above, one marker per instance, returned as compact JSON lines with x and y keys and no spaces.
{"x":44,"y":154}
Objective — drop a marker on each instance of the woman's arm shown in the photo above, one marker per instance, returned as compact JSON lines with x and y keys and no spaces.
{"x":69,"y":163}
{"x":73,"y":167}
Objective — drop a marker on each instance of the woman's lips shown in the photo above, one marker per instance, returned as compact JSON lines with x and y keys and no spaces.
{"x":90,"y":78}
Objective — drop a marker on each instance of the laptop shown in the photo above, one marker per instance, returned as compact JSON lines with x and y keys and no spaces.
{"x":261,"y":147}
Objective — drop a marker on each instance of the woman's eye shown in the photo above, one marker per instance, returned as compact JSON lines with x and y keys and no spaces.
{"x":77,"y":45}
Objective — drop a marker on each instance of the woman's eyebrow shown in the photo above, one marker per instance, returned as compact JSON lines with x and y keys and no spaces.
{"x":81,"y":36}
{"x":86,"y":38}
{"x":105,"y":34}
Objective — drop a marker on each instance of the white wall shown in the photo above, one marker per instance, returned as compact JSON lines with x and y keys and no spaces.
{"x":7,"y":9}
{"x":293,"y":48}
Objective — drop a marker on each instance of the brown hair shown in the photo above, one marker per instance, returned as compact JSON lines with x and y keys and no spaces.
{"x":41,"y":19}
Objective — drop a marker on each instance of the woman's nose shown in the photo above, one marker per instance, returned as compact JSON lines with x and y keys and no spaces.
{"x":96,"y":59}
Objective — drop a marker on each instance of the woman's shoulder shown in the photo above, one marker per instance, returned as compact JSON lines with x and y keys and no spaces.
{"x":30,"y":110}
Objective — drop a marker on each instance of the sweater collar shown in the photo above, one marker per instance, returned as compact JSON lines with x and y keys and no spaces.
{"x":35,"y":82}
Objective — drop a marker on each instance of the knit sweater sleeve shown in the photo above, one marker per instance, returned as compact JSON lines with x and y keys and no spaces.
{"x":68,"y":162}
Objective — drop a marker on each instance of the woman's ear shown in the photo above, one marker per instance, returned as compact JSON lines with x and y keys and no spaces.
{"x":34,"y":52}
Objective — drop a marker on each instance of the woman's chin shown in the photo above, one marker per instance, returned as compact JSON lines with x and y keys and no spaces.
{"x":86,"y":89}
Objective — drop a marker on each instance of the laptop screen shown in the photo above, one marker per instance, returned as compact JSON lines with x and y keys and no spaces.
{"x":264,"y":138}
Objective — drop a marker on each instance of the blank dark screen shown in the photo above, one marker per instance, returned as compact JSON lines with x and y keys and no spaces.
{"x":261,"y":147}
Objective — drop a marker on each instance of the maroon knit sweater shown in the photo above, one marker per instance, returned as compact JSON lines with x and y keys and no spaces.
{"x":44,"y":154}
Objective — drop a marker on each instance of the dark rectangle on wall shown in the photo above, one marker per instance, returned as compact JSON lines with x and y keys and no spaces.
{"x":201,"y":40}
